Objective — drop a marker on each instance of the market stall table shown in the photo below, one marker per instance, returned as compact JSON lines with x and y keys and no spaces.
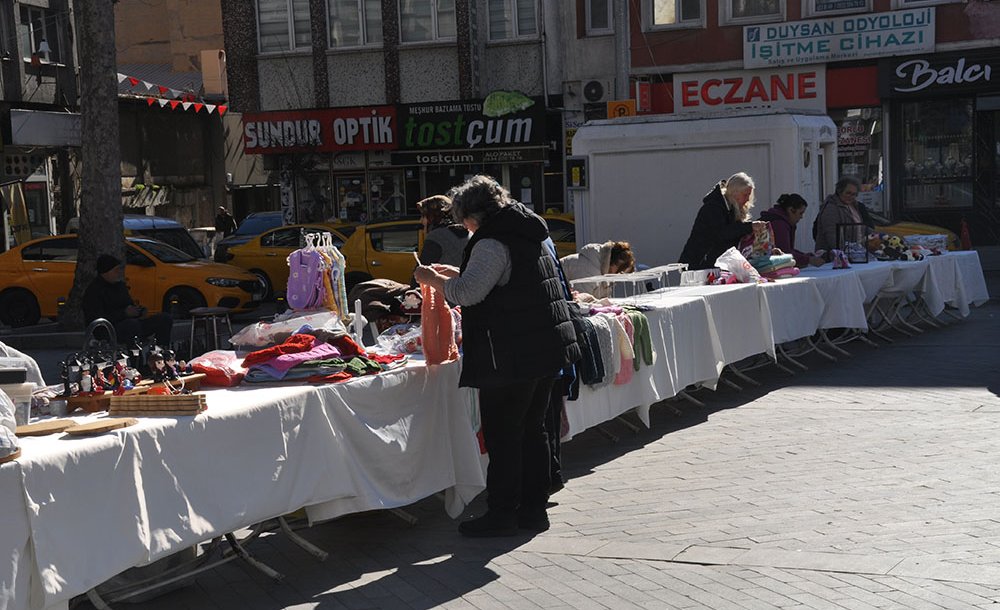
{"x":167,"y":483}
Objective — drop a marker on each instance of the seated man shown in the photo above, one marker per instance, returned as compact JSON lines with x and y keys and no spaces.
{"x":107,"y":297}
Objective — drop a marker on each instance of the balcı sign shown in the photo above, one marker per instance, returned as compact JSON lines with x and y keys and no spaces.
{"x":940,"y":74}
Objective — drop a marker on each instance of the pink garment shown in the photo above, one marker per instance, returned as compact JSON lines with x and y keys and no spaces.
{"x":437,"y":331}
{"x":605,"y":309}
{"x":625,"y":374}
{"x":286,"y":361}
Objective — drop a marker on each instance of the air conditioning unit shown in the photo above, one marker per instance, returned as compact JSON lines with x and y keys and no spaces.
{"x":598,"y":91}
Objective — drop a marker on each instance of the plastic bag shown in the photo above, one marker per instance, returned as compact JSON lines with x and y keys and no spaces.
{"x":221,"y":368}
{"x":401,"y":339}
{"x":735,"y":263}
{"x":267,"y":333}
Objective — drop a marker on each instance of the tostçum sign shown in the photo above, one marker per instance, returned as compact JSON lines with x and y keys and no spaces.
{"x":972,"y":71}
{"x":505,"y":119}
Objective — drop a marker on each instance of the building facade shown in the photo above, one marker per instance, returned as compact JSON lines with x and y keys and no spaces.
{"x":911,"y":84}
{"x":363,"y":107}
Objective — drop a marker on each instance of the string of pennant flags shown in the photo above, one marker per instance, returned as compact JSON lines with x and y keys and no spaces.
{"x":173,"y":98}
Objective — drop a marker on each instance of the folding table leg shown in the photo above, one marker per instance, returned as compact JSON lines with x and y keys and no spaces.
{"x":602,"y":429}
{"x":301,"y":542}
{"x":691,"y":399}
{"x":743,"y":376}
{"x":634,"y":428}
{"x":251,"y":560}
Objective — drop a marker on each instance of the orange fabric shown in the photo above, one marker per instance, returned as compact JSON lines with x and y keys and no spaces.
{"x":437,"y":332}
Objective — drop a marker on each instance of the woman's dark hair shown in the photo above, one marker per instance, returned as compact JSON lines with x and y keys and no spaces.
{"x":478,"y":198}
{"x":621,"y":255}
{"x":791,"y":201}
{"x":845,"y":182}
{"x":436,"y":209}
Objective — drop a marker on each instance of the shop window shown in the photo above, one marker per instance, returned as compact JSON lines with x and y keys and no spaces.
{"x":355,"y":23}
{"x":737,"y":12}
{"x":820,"y":8}
{"x":668,"y":14}
{"x":313,"y":198}
{"x":426,"y":20}
{"x":352,"y":198}
{"x":387,"y":194}
{"x":283,"y":25}
{"x":938,"y":162}
{"x":40,"y":25}
{"x":860,"y":152}
{"x":511,"y":19}
{"x":901,"y":4}
{"x":599,"y":19}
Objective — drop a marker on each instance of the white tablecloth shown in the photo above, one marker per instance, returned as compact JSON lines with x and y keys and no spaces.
{"x":796,"y":307}
{"x":94,"y":507}
{"x":843,"y":294}
{"x":958,"y":281}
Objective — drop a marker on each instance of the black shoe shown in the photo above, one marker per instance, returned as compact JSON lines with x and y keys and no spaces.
{"x":490,"y":525}
{"x":533,"y":520}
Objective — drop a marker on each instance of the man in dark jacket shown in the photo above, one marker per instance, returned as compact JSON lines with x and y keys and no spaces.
{"x":721,"y":222}
{"x":225,"y":224}
{"x":107,"y":297}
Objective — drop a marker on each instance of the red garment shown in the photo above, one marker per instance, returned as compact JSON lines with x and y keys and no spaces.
{"x":292,"y":345}
{"x":348,"y":348}
{"x":385,"y":358}
{"x":331,"y":378}
{"x":437,"y":331}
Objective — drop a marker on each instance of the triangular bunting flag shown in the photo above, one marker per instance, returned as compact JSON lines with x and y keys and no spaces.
{"x":133,"y":81}
{"x":198,"y":107}
{"x":163,"y":89}
{"x":174,"y":93}
{"x":174,"y":104}
{"x":186,"y":105}
{"x":148,"y":86}
{"x":121,"y":77}
{"x":222,"y":109}
{"x":209,"y":108}
{"x":163,"y":102}
{"x":150,"y":101}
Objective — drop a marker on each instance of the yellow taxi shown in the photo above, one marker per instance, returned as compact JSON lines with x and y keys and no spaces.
{"x":562,"y":230}
{"x":266,"y":255}
{"x":383,"y":250}
{"x":36,"y":278}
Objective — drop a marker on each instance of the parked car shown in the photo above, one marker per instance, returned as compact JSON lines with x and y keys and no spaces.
{"x":562,"y":230}
{"x":253,"y":225}
{"x":266,"y":255}
{"x":161,"y":229}
{"x":37,"y":276}
{"x":383,"y":250}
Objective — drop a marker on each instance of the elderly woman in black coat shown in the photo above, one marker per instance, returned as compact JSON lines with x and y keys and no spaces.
{"x":724,"y":218}
{"x":516,"y":337}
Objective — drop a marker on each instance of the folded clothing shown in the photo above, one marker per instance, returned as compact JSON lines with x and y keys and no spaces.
{"x":766,"y":264}
{"x":286,"y":361}
{"x":291,"y":345}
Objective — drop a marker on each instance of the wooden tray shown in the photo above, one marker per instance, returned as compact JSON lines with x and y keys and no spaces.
{"x":100,"y":426}
{"x":11,"y":457}
{"x":42,"y":428}
{"x":93,"y":404}
{"x":150,"y":405}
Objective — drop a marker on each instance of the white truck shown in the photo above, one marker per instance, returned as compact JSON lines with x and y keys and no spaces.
{"x":646,"y":176}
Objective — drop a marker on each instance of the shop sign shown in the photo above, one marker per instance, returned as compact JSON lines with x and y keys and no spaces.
{"x":348,"y":160}
{"x":508,"y":120}
{"x":943,"y":73}
{"x":799,"y":88}
{"x":853,"y":139}
{"x":885,"y":34}
{"x":327,"y":130}
{"x":469,"y":157}
{"x":42,"y":128}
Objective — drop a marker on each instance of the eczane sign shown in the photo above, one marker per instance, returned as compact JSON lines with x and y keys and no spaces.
{"x":800,"y":88}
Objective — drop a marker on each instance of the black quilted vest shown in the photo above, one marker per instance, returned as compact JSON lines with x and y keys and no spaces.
{"x":522,"y":330}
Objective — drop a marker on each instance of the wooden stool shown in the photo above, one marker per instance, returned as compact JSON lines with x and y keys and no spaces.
{"x":206,"y":316}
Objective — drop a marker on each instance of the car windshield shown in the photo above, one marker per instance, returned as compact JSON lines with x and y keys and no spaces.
{"x":255,"y":225}
{"x":162,"y":251}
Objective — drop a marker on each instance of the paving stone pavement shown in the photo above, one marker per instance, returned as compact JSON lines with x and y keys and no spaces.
{"x":865,"y":483}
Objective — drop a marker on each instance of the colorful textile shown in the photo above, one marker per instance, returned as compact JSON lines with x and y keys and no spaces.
{"x":642,"y":343}
{"x":291,"y":345}
{"x":628,"y":354}
{"x":437,"y":332}
{"x":286,"y":361}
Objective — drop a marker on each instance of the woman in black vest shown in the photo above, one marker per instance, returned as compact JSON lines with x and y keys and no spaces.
{"x":517,"y":336}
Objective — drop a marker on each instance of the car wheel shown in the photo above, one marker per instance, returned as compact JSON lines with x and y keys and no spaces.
{"x":19,"y":307}
{"x":353,"y":279}
{"x":180,"y":301}
{"x":266,"y":281}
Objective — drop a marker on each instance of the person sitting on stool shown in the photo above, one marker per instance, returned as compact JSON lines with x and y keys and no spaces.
{"x":107,"y":297}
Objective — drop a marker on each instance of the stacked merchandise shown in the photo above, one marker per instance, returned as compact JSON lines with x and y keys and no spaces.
{"x":304,"y":357}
